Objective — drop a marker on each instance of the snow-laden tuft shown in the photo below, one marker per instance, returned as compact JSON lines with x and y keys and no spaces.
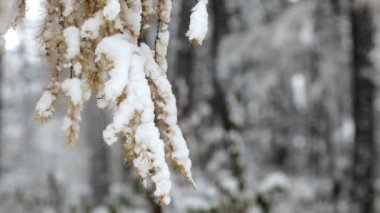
{"x":90,"y":28}
{"x":73,"y":89}
{"x":118,"y":50}
{"x":43,"y":106}
{"x":111,"y":10}
{"x":72,"y":40}
{"x":68,"y":7}
{"x":198,"y":23}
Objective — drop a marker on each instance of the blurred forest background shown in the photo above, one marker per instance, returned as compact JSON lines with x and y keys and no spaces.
{"x":280,"y":109}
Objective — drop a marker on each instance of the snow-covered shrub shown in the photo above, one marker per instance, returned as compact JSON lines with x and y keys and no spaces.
{"x":95,"y":47}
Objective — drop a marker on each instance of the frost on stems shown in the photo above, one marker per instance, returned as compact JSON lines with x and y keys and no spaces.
{"x":166,"y":112}
{"x":147,"y":11}
{"x":95,"y":47}
{"x":133,"y":17}
{"x":163,"y":35}
{"x":45,"y":107}
{"x":77,"y":92}
{"x":19,"y":8}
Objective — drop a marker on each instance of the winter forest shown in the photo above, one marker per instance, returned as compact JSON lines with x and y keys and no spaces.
{"x":206,"y":106}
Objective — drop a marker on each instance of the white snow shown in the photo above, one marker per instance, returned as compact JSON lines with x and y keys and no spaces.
{"x":67,"y":123}
{"x":133,"y":17}
{"x":44,"y":105}
{"x":149,"y":147}
{"x":73,"y":89}
{"x":180,"y":153}
{"x":68,"y":7}
{"x":90,"y":28}
{"x":122,"y":116}
{"x":148,"y":135}
{"x":8,"y":12}
{"x":118,"y":50}
{"x":198,"y":22}
{"x":162,"y":48}
{"x":165,"y":8}
{"x":77,"y":68}
{"x":34,"y":10}
{"x":138,"y":100}
{"x":298,"y":83}
{"x":111,"y":10}
{"x":273,"y":181}
{"x":12,"y":40}
{"x":72,"y":40}
{"x":86,"y":90}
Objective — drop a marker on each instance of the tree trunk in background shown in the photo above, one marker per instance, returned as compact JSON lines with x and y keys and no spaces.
{"x":1,"y":78}
{"x":99,"y":174}
{"x":1,"y":85}
{"x":220,"y":29}
{"x":220,"y":20}
{"x":184,"y":65}
{"x":336,"y":6}
{"x":362,"y":191}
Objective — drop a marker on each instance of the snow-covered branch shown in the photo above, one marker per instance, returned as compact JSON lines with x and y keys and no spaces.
{"x":96,"y":46}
